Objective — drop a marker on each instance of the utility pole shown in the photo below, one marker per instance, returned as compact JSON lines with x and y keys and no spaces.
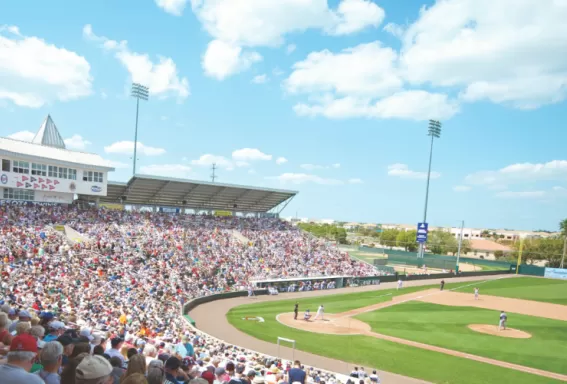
{"x":139,"y":92}
{"x":564,"y":251}
{"x":459,"y":249}
{"x":434,"y":131}
{"x":213,"y":175}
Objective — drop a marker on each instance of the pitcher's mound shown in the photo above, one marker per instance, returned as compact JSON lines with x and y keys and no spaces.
{"x":333,"y":324}
{"x":493,"y":330}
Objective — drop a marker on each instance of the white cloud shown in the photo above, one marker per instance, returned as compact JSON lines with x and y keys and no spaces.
{"x":312,"y":167}
{"x":127,"y":148}
{"x":174,"y":7}
{"x":171,"y":170}
{"x":22,"y":135}
{"x":250,"y":154}
{"x":208,"y":160}
{"x":493,"y":53}
{"x":234,"y":24}
{"x":559,"y":189}
{"x":277,"y":72}
{"x":281,"y":160}
{"x":461,"y":188}
{"x":403,"y":171}
{"x":520,"y":173}
{"x":251,"y":172}
{"x":521,"y":194}
{"x":222,"y":59}
{"x":301,"y":178}
{"x":161,"y":77}
{"x":260,"y":79}
{"x":355,"y":181}
{"x":34,"y":72}
{"x":394,"y":29}
{"x":290,"y":48}
{"x":76,"y":142}
{"x":373,"y":88}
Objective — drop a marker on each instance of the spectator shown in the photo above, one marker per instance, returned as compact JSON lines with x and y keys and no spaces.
{"x":68,"y":375}
{"x":136,"y":378}
{"x":23,"y":351}
{"x":51,"y":357}
{"x":23,"y":316}
{"x":296,"y":374}
{"x":93,"y":369}
{"x":136,"y":364}
{"x":117,"y":370}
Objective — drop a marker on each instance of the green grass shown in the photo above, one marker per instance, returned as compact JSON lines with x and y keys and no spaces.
{"x":384,"y":355}
{"x":526,"y":288}
{"x":446,"y":326}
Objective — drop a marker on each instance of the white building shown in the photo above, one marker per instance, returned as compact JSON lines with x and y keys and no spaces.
{"x":44,"y":170}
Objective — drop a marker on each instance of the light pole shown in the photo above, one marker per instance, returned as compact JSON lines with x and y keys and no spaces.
{"x":434,"y":131}
{"x":139,"y":92}
{"x":459,"y":249}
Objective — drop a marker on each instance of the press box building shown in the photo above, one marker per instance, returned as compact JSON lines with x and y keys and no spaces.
{"x":45,"y":171}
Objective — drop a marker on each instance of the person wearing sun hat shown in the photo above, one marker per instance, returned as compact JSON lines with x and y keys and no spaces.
{"x":23,"y":351}
{"x":94,"y":369}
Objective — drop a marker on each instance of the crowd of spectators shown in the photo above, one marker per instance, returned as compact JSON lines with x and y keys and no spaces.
{"x":110,"y":305}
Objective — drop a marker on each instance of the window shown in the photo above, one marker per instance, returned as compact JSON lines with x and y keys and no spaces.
{"x":21,"y":167}
{"x":72,"y":174}
{"x":62,"y":173}
{"x":95,"y":177}
{"x":19,"y":194}
{"x":52,"y":171}
{"x":5,"y":165}
{"x":38,"y":169}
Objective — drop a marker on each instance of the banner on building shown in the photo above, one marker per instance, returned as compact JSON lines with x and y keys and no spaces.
{"x":223,"y":213}
{"x":116,"y":207}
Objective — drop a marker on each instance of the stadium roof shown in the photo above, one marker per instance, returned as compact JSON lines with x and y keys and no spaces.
{"x":172,"y":192}
{"x":49,"y":135}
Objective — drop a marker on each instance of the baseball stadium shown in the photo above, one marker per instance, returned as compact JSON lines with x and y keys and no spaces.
{"x":204,"y":280}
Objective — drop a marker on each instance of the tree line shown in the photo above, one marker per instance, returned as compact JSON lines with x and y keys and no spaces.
{"x":548,"y":249}
{"x":326,"y":231}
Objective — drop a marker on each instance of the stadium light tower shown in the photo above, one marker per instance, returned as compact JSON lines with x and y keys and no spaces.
{"x":139,"y":92}
{"x":434,"y":131}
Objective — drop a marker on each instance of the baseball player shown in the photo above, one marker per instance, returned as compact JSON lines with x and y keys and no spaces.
{"x":307,"y":315}
{"x":476,"y":293}
{"x":320,"y":313}
{"x":400,"y":283}
{"x":503,"y":319}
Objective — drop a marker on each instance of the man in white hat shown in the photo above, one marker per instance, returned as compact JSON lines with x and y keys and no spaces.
{"x":94,"y":369}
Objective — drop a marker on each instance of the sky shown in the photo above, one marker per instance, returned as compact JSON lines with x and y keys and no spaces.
{"x":328,"y":98}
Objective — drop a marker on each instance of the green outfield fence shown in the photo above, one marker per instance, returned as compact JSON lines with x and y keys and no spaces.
{"x":436,"y":261}
{"x":532,"y":270}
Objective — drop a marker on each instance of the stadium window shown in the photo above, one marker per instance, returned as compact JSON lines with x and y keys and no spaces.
{"x":5,"y":165}
{"x":19,"y":194}
{"x":52,"y":171}
{"x":62,"y":173}
{"x":21,"y":167}
{"x":72,"y":174}
{"x":91,"y":176}
{"x":39,"y":169}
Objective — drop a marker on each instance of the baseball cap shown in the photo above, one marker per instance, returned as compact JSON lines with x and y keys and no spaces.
{"x":86,"y":332}
{"x":11,"y":312}
{"x":24,"y":343}
{"x":209,"y":376}
{"x":66,"y":340}
{"x":24,"y":313}
{"x":93,"y":367}
{"x":57,"y":325}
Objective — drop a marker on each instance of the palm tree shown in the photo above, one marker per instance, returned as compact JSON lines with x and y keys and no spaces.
{"x":563,"y":227}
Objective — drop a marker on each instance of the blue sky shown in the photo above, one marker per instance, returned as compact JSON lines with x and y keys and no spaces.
{"x":342,"y":90}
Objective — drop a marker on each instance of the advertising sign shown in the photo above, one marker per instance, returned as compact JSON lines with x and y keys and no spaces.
{"x":422,"y":231}
{"x":51,"y":184}
{"x":555,"y":273}
{"x":223,"y":213}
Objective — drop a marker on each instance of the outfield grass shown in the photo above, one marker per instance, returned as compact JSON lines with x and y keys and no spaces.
{"x":446,"y":326}
{"x":526,"y":288}
{"x":371,"y":352}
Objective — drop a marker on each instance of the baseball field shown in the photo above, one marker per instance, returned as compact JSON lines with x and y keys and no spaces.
{"x":423,"y":333}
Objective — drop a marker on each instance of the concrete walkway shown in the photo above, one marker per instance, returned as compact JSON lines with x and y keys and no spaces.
{"x":211,"y":318}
